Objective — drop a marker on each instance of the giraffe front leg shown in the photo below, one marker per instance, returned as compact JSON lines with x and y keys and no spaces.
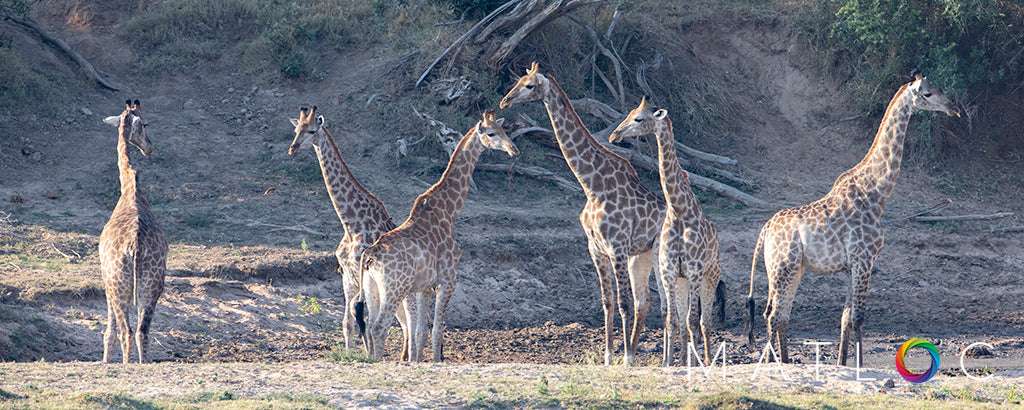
{"x":604,"y":276}
{"x":709,"y":294}
{"x":624,"y":300}
{"x":444,"y":296}
{"x":853,"y":315}
{"x":639,"y":269}
{"x":422,"y":310}
{"x":669,"y":270}
{"x":692,"y":308}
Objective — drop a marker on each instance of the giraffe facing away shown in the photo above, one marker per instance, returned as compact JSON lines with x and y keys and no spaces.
{"x":133,"y":248}
{"x":363,"y":216}
{"x":841,"y":231}
{"x":421,"y":255}
{"x":622,"y":218}
{"x":688,"y":245}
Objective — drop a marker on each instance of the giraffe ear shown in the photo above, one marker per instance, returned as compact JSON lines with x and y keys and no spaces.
{"x":320,"y":120}
{"x":500,"y":121}
{"x":295,"y":122}
{"x":660,"y":114}
{"x":114,"y":120}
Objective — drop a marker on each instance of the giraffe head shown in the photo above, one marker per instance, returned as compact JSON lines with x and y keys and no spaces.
{"x":131,"y":127}
{"x":492,"y":135}
{"x":927,"y":96}
{"x":642,"y":120}
{"x":307,"y":129}
{"x":530,"y":87}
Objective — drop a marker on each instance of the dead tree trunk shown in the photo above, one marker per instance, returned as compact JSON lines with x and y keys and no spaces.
{"x":84,"y":64}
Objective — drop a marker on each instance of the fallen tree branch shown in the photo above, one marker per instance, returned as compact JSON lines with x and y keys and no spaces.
{"x":1010,"y":229}
{"x":533,"y":172}
{"x":612,"y":117}
{"x":650,"y":164}
{"x":929,"y":210}
{"x":63,"y":47}
{"x":297,"y":228}
{"x":962,"y":217}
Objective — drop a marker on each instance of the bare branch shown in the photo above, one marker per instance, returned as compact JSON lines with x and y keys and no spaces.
{"x":466,"y":35}
{"x":533,"y":172}
{"x":63,"y":47}
{"x":962,"y":217}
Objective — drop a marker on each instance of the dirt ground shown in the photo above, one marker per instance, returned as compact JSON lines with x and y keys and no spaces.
{"x":252,"y":276}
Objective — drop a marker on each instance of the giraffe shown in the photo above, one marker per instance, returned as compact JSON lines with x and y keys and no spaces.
{"x":133,"y":248}
{"x":421,"y":255}
{"x":363,"y":216}
{"x":621,"y":217}
{"x":688,"y":245}
{"x":841,"y":231}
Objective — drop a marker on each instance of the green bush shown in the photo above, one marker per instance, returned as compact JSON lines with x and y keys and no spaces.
{"x":958,"y":44}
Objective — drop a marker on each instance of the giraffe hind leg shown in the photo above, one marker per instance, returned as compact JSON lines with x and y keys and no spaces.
{"x":111,"y":334}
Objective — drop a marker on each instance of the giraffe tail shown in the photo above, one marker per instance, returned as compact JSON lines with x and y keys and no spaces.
{"x":135,"y":274}
{"x":360,"y":305}
{"x":750,"y":295}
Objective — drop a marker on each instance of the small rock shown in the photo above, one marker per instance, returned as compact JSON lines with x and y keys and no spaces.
{"x":231,"y":89}
{"x":889,"y":383}
{"x":36,"y":156}
{"x":86,"y":111}
{"x":17,"y":199}
{"x":29,"y":150}
{"x":52,"y":194}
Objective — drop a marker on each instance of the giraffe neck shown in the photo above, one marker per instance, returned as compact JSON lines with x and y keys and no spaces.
{"x":125,"y":172}
{"x":448,"y":195}
{"x":880,"y":168}
{"x":675,"y":182}
{"x":581,"y":150}
{"x":351,"y":200}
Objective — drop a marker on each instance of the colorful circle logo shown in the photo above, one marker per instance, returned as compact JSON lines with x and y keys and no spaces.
{"x":907,"y":374}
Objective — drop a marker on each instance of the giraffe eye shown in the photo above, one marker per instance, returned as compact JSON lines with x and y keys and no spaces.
{"x":145,"y":124}
{"x":490,"y":134}
{"x":638,"y":120}
{"x":311,"y":131}
{"x":529,"y":86}
{"x":927,"y":94}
